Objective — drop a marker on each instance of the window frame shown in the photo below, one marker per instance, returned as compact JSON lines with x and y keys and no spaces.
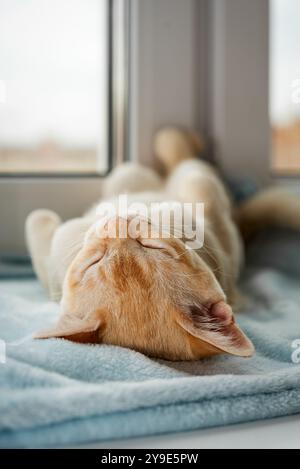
{"x":240,"y":121}
{"x":118,"y":25}
{"x":146,"y":102}
{"x":70,"y":194}
{"x":210,"y":68}
{"x":168,"y":38}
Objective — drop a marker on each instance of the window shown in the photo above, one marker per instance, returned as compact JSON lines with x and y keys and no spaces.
{"x":53,"y":86}
{"x":285,"y":86}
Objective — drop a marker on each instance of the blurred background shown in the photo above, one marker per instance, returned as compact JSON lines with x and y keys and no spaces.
{"x":53,"y":75}
{"x":84,"y":85}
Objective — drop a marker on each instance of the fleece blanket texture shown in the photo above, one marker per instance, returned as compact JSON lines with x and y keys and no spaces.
{"x":57,"y":393}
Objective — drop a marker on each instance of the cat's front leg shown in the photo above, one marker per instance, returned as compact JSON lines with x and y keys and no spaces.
{"x":40,"y":228}
{"x":67,"y":241}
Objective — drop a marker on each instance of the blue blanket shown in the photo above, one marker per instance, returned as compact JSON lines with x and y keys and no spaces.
{"x":59,"y":393}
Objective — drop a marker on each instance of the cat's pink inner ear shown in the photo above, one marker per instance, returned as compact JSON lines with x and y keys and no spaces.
{"x":216,"y":326}
{"x":222,"y":312}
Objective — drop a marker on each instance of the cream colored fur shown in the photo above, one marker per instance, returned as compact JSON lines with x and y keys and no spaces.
{"x":193,"y":181}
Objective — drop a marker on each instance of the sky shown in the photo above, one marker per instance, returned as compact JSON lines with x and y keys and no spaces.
{"x":53,"y":64}
{"x":285,"y":59}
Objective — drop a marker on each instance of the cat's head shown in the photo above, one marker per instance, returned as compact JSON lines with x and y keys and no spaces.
{"x":149,"y":294}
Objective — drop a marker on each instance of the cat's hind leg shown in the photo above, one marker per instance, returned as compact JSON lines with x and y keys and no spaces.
{"x":130,"y":178}
{"x":194,"y":181}
{"x":40,"y":228}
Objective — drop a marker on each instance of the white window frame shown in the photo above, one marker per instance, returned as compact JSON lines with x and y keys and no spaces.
{"x":168,"y":69}
{"x":240,"y":121}
{"x":67,"y":194}
{"x":204,"y":64}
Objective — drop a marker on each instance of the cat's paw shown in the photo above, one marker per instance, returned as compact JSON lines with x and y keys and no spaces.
{"x":40,"y":228}
{"x":173,"y":145}
{"x":41,"y":224}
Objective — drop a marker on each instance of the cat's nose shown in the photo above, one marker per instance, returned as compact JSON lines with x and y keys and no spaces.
{"x":117,"y":227}
{"x":122,"y":227}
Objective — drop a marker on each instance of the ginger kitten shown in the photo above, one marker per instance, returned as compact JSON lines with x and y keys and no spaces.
{"x":150,"y":294}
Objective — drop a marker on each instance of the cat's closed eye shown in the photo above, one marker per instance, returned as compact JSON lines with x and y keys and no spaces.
{"x":93,"y":261}
{"x":153,"y":243}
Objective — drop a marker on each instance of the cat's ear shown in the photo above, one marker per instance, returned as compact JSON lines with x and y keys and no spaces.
{"x":87,"y":330}
{"x":215,"y":326}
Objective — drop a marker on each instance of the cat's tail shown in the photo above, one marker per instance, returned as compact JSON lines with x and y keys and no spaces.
{"x":271,"y":207}
{"x":172,"y":145}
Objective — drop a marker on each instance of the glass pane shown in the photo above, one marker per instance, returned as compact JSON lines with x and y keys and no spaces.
{"x":53,"y":77}
{"x":285,"y":85}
